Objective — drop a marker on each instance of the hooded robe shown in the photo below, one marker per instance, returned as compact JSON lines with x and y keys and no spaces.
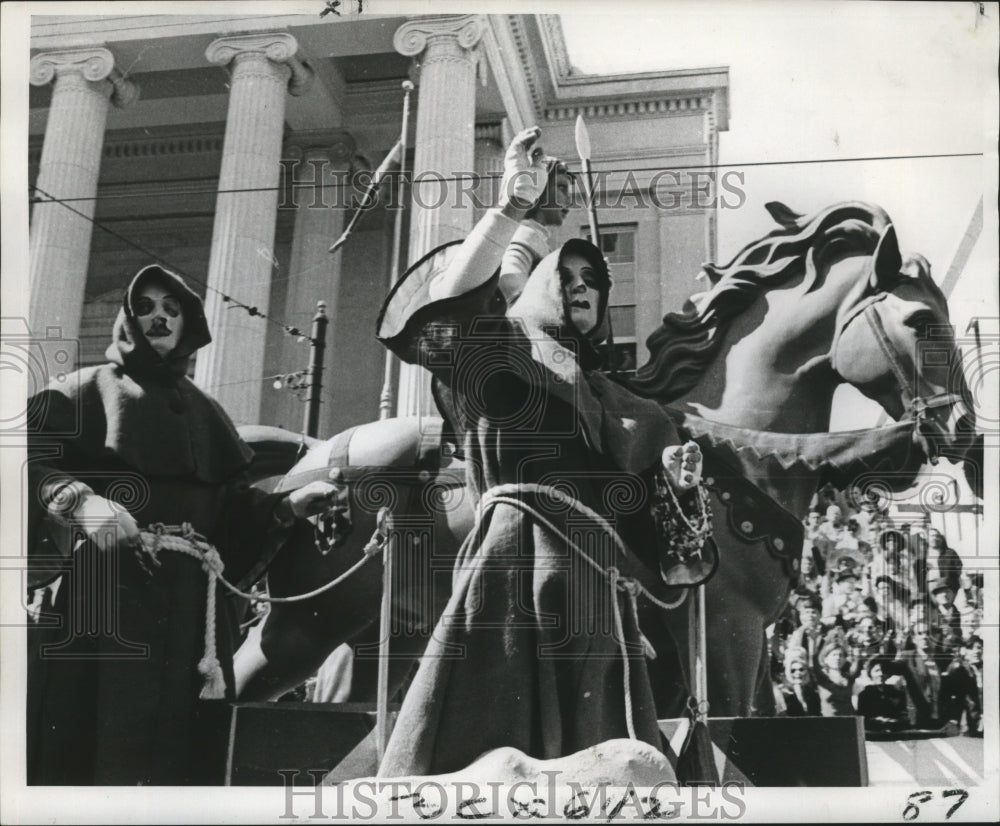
{"x":528,"y":653}
{"x":120,"y":706}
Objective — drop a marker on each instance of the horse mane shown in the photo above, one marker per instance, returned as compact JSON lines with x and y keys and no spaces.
{"x":686,"y":343}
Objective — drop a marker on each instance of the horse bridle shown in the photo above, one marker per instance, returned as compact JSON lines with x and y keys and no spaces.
{"x":916,"y":405}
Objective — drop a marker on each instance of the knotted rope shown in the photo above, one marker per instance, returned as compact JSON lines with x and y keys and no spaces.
{"x":184,"y":539}
{"x":513,"y":495}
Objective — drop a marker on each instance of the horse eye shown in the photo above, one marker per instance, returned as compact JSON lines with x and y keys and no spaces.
{"x":920,"y":321}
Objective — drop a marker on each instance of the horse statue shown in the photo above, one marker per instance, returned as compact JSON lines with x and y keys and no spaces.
{"x":749,"y":370}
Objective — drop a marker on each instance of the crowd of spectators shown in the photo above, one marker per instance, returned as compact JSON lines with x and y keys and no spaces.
{"x":883,"y":624}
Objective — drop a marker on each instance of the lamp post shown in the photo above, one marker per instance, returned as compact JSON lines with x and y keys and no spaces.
{"x":315,"y":370}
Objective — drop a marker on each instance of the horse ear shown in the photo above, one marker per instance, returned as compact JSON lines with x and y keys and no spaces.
{"x":782,"y":214}
{"x":888,"y":262}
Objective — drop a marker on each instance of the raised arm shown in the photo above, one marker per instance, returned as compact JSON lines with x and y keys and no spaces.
{"x":481,"y":253}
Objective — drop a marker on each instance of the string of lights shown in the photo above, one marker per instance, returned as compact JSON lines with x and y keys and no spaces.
{"x":250,"y":309}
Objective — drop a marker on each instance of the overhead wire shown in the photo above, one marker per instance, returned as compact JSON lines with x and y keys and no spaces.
{"x":295,"y":332}
{"x":497,"y":176}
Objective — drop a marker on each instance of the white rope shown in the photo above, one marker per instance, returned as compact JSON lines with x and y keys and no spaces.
{"x":501,"y":493}
{"x":183,"y":539}
{"x":620,"y":630}
{"x":214,"y":686}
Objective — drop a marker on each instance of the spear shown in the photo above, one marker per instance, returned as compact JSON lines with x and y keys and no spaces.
{"x":583,"y":150}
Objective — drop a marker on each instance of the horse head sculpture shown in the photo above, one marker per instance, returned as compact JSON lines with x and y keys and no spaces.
{"x":826,"y":299}
{"x":897,"y":346}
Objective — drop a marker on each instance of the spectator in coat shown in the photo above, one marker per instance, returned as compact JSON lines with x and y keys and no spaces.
{"x":810,"y":577}
{"x":945,"y":622}
{"x":881,"y":704}
{"x":942,"y":561}
{"x":816,"y":540}
{"x":797,"y":694}
{"x":922,"y":676}
{"x":893,"y":603}
{"x":835,"y":674}
{"x":962,"y":688}
{"x":841,"y":607}
{"x":809,"y":634}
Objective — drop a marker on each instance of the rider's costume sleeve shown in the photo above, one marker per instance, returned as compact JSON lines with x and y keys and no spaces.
{"x":529,"y":245}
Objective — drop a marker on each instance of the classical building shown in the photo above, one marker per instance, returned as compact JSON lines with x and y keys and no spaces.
{"x":228,"y":148}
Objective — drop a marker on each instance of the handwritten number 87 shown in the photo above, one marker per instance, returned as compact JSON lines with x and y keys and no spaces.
{"x":912,"y":811}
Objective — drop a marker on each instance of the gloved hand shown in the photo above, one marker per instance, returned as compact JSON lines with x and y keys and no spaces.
{"x":525,"y":174}
{"x":107,"y":524}
{"x":311,"y":499}
{"x":683,"y":465}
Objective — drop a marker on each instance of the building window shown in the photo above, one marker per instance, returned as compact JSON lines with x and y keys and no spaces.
{"x":618,"y":246}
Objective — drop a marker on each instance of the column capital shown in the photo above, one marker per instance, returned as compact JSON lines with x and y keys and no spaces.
{"x":277,"y":47}
{"x":414,"y":36}
{"x":336,"y":145}
{"x":94,"y":65}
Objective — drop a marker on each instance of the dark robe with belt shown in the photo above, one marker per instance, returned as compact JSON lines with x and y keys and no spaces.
{"x":537,"y":649}
{"x":113,"y":680}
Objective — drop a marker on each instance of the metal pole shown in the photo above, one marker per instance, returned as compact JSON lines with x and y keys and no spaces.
{"x":382,"y":728}
{"x":387,"y":399}
{"x":974,"y":326}
{"x":385,"y":411}
{"x":320,"y":322}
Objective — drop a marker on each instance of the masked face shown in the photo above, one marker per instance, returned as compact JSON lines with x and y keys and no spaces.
{"x":160,"y":318}
{"x":579,"y":283}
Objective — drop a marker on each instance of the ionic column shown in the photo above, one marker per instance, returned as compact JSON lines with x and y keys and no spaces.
{"x":263,"y":68}
{"x":321,"y":198}
{"x":445,"y":50}
{"x":489,"y":153}
{"x":85,"y":81}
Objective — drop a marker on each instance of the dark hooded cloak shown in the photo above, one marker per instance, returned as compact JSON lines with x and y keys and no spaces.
{"x":120,"y":705}
{"x":527,"y":653}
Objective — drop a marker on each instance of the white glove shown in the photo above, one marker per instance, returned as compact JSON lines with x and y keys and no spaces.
{"x":525,"y":174}
{"x":683,"y":465}
{"x":107,"y":524}
{"x":312,"y":499}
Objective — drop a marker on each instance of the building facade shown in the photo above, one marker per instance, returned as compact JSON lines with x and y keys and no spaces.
{"x":233,"y":149}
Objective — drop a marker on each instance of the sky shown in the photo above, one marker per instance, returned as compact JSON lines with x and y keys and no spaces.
{"x":838,"y":80}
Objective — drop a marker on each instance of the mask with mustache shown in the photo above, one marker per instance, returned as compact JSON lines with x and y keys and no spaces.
{"x":160,"y":317}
